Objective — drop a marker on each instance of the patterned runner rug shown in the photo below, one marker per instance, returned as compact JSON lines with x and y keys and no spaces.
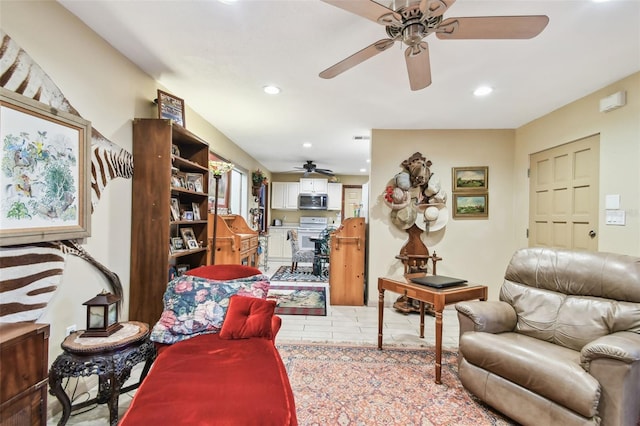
{"x":361,"y":385}
{"x":302,"y":273}
{"x":298,"y":300}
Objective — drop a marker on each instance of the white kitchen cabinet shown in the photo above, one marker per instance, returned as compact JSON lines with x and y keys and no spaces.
{"x":284,"y":195}
{"x":334,"y":194}
{"x":313,"y":186}
{"x":279,"y":246}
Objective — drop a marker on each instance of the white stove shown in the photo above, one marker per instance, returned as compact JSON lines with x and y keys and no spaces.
{"x":313,"y":222}
{"x":310,"y":227}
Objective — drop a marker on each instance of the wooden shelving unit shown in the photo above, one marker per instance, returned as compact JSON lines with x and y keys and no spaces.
{"x":160,"y":150}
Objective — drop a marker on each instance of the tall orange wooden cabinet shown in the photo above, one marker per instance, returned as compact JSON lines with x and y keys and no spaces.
{"x":346,"y":263}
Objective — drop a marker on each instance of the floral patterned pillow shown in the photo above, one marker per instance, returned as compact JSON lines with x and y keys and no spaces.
{"x":195,"y":305}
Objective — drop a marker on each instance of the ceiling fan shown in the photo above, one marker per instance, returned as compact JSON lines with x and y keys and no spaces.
{"x":413,"y":20}
{"x":310,"y":167}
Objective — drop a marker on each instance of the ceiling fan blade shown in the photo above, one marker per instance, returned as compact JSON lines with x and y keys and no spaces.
{"x":492,"y":27}
{"x":357,"y":58}
{"x":325,"y":172}
{"x":369,"y":9}
{"x":435,"y":7}
{"x":418,"y":65}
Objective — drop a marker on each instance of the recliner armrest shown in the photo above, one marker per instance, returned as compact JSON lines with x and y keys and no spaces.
{"x":622,"y":346}
{"x":488,"y":316}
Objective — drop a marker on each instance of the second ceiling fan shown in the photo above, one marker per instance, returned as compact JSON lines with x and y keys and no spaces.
{"x":413,"y":20}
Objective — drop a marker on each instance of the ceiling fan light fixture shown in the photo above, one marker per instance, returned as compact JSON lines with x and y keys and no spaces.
{"x":483,"y":91}
{"x":271,"y":90}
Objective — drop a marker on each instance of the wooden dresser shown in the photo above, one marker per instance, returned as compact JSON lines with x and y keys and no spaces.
{"x":236,"y":242}
{"x":24,"y":352}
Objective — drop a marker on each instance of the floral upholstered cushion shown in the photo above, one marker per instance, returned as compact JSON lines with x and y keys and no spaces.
{"x":248,"y":317}
{"x":195,"y":305}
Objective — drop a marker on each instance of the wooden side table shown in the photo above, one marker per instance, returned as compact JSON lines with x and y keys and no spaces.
{"x":111,"y":358}
{"x":436,"y":297}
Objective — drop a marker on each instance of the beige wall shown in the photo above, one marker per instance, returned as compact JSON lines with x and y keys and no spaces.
{"x":110,"y":91}
{"x":619,"y":159}
{"x":469,"y":248}
{"x":479,"y":250}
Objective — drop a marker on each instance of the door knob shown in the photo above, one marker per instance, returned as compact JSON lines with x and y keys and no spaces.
{"x":592,"y":233}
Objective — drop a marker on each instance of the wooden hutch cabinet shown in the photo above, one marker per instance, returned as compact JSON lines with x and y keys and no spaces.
{"x":236,"y":242}
{"x":347,"y":271}
{"x":169,"y":224}
{"x":24,"y":352}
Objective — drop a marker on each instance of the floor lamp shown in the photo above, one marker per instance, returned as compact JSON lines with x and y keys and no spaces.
{"x":217,"y":169}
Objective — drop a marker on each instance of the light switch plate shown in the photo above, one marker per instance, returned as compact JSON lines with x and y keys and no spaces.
{"x":615,"y":217}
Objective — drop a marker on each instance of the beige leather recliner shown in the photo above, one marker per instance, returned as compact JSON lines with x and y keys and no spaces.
{"x":562,"y":345}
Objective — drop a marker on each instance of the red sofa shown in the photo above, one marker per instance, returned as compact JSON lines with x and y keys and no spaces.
{"x":212,"y":380}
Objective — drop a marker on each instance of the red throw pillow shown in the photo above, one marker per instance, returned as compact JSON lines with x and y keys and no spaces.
{"x":248,"y":317}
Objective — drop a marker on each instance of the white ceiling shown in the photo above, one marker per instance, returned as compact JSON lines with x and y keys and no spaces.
{"x":218,"y":56}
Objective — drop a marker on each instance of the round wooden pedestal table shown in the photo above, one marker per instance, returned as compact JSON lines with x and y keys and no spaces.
{"x":110,"y":358}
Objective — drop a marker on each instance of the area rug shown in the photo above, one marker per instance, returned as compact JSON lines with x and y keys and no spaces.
{"x":361,"y":385}
{"x":302,"y":273}
{"x":299,"y":300}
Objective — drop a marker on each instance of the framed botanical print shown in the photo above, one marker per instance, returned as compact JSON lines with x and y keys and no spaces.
{"x":46,"y":180}
{"x":469,"y":179}
{"x":470,"y":205}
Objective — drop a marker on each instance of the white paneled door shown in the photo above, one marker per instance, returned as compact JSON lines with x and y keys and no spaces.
{"x":563,"y":196}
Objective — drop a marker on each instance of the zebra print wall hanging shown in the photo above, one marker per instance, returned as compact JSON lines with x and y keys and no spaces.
{"x":30,"y":274}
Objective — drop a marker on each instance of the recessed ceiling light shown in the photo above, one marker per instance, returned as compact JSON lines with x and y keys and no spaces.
{"x":227,"y":1}
{"x":272,"y":90}
{"x":482,"y":91}
{"x":368,"y":160}
{"x":307,"y":145}
{"x":363,"y":170}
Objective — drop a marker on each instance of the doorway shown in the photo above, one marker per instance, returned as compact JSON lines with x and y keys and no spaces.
{"x":563,"y":195}
{"x":351,"y":201}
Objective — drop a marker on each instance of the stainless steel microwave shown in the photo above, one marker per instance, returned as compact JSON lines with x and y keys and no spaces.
{"x":312,"y":201}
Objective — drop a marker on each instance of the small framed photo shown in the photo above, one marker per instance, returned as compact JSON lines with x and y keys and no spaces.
{"x":196,"y":211}
{"x":188,"y":235}
{"x":171,"y":107}
{"x":175,"y":181}
{"x":181,"y":269}
{"x":175,"y":209}
{"x":177,"y":243}
{"x":470,"y":179}
{"x":194,"y":182}
{"x":470,"y":206}
{"x":188,"y":215}
{"x":192,"y":244}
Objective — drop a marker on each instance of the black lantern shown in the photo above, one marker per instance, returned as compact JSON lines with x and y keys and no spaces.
{"x":102,"y":315}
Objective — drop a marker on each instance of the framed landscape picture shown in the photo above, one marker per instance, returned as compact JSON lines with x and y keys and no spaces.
{"x":470,"y":179}
{"x":470,"y":206}
{"x":46,"y":180}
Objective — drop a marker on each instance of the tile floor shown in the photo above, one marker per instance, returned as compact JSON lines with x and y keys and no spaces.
{"x":343,"y":324}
